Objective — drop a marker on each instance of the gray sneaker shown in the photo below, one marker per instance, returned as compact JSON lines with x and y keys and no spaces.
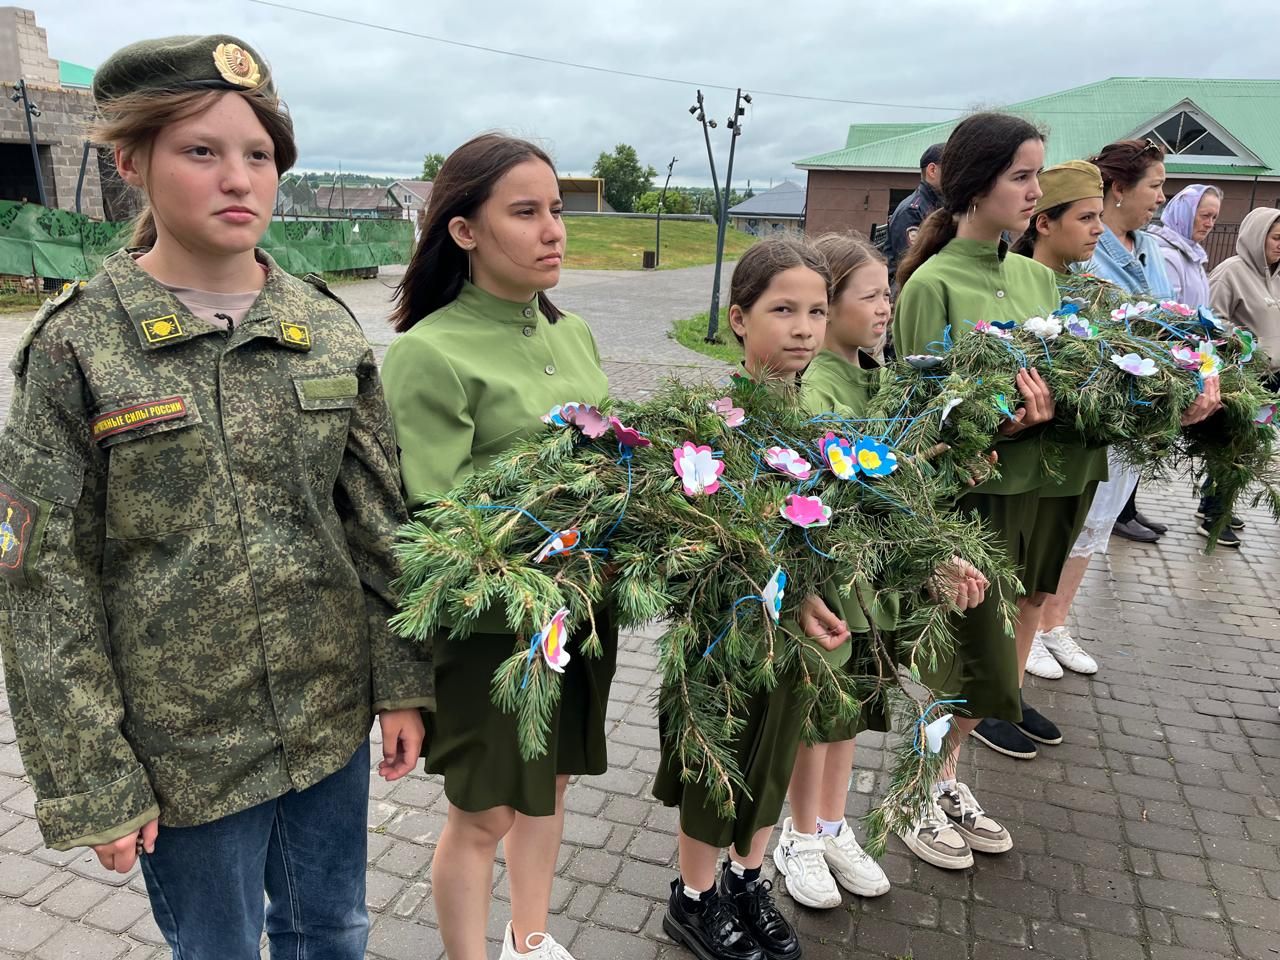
{"x":934,"y":840}
{"x":971,"y":821}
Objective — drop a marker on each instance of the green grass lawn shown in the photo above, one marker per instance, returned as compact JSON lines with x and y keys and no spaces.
{"x":21,"y":302}
{"x":692,"y":333}
{"x":607,"y":243}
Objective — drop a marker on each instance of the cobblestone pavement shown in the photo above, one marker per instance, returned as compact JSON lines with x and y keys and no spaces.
{"x":1152,"y":832}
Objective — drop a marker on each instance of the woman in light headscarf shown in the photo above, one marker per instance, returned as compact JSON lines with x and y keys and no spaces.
{"x":1185,"y":223}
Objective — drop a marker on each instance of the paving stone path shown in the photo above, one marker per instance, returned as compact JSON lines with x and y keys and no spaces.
{"x":1152,"y":833}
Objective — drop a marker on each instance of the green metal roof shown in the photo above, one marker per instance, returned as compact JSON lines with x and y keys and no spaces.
{"x":74,"y":75}
{"x":1083,"y":119}
{"x":863,"y":133}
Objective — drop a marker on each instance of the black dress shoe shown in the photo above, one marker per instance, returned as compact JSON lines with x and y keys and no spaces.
{"x":1037,"y":726}
{"x":713,"y":931}
{"x":761,"y":918}
{"x":1003,"y":737}
{"x":1158,"y":528}
{"x":1133,"y":530}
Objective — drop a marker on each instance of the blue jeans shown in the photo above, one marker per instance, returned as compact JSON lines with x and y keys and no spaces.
{"x":306,"y":850}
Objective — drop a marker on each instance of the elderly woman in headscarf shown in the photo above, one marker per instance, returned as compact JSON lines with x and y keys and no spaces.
{"x":1187,"y":220}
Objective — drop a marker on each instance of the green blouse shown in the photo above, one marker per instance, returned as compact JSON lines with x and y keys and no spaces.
{"x":469,"y":380}
{"x":964,"y":282}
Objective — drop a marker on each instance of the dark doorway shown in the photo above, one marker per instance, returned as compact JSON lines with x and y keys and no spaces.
{"x":17,"y":175}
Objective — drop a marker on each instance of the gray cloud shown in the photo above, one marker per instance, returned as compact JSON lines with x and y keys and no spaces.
{"x":376,"y":101}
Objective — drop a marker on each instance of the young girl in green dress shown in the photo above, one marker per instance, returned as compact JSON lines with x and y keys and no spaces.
{"x":484,"y":355}
{"x":778,"y":310}
{"x":817,"y":848}
{"x":956,"y":274}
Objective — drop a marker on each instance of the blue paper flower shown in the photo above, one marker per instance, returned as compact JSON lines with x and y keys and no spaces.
{"x":874,"y":458}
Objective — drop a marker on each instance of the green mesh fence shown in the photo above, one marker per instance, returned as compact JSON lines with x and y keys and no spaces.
{"x":36,"y":241}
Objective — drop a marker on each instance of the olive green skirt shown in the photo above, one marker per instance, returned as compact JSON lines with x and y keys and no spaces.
{"x":766,"y":753}
{"x":1037,"y":533}
{"x":474,"y":745}
{"x":872,"y":716}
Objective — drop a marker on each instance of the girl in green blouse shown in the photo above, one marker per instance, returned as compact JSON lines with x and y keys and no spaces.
{"x":484,"y":355}
{"x":955,"y":275}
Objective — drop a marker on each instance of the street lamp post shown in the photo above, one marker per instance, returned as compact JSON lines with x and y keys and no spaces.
{"x":662,"y":198}
{"x":30,"y":110}
{"x":735,"y":128}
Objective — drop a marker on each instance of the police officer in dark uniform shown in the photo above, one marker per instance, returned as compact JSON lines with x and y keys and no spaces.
{"x":905,"y":222}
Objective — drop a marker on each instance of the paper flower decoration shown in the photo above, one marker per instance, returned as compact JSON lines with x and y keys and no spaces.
{"x":1208,"y":320}
{"x":733,"y":416}
{"x":696,"y":466}
{"x":1187,"y":358}
{"x":1207,"y":362}
{"x":550,"y":640}
{"x":1266,"y":414}
{"x":875,"y":459}
{"x":1002,"y":404}
{"x":1069,"y":308}
{"x":773,"y":593}
{"x":1078,"y":326}
{"x":994,"y":329}
{"x":949,"y":406}
{"x":806,"y":511}
{"x":838,"y":453}
{"x":1046,"y":328}
{"x":557,"y":544}
{"x":627,"y":436}
{"x":924,"y":361}
{"x":1130,"y":310}
{"x":1248,"y":345}
{"x":785,"y":460}
{"x":1173,"y":306}
{"x":935,"y":732}
{"x":1134,"y":365}
{"x":584,"y":416}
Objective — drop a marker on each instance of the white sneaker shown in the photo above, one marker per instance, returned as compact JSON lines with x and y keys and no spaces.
{"x":537,"y":946}
{"x":979,"y":831}
{"x":1040,"y":662}
{"x":852,"y":866}
{"x":934,"y":840}
{"x":802,"y":864}
{"x":1063,"y":648}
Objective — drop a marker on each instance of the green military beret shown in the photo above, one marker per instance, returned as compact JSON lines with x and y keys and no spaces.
{"x":215,"y":62}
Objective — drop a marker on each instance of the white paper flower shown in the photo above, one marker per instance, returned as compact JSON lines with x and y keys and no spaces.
{"x":1047,"y":328}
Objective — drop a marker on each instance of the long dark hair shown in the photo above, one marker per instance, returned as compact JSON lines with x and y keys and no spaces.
{"x":980,"y":148}
{"x":439,"y":266}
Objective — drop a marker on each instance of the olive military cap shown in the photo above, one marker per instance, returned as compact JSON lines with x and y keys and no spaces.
{"x":214,"y":62}
{"x":1067,"y":183}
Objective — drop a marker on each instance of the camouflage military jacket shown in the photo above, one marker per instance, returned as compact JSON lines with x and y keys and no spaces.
{"x":197,"y":554}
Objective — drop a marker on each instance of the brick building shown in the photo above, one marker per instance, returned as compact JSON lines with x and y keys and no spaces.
{"x":1221,"y":132}
{"x":61,"y":93}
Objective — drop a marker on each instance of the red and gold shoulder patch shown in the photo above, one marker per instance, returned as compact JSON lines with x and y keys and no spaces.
{"x":138,"y":415}
{"x":18,"y":516}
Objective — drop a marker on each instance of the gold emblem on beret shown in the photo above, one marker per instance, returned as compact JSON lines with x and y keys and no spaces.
{"x":236,"y":65}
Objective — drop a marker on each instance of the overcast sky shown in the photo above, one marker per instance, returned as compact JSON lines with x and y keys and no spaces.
{"x":376,"y":101}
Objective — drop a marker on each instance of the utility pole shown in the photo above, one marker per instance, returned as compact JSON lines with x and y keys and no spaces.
{"x":662,"y":197}
{"x":30,"y":110}
{"x":735,"y":131}
{"x":701,"y":116}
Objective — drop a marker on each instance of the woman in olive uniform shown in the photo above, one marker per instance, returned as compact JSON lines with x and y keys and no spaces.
{"x":484,"y":356}
{"x":195,"y":629}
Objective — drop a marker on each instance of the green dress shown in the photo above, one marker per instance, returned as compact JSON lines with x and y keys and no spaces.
{"x":832,"y":384}
{"x":968,"y":281}
{"x":765,"y":752}
{"x":464,"y":384}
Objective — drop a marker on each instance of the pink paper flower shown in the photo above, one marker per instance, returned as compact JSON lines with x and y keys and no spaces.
{"x":733,"y":416}
{"x":627,"y":436}
{"x":1266,"y":414}
{"x":1134,"y":365}
{"x":697,"y":468}
{"x":785,"y":460}
{"x":806,"y":511}
{"x":991,"y":329}
{"x":1173,"y":306}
